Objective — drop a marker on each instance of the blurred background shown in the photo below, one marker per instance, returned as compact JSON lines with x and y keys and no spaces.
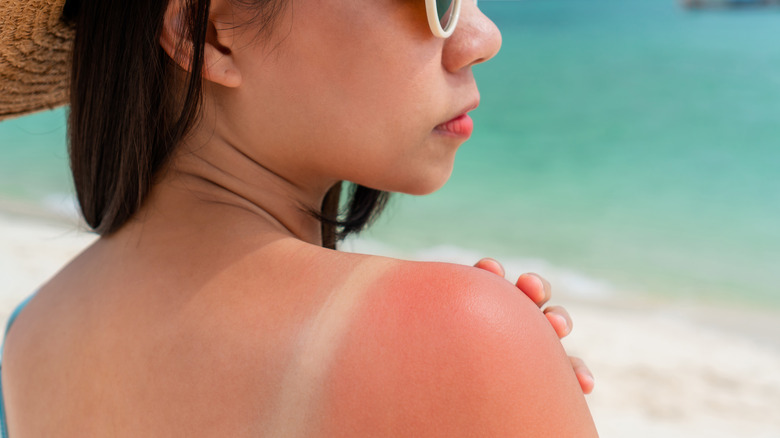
{"x":633,"y":143}
{"x":628,"y":151}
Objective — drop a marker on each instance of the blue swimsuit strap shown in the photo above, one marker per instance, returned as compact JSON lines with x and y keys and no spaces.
{"x":3,"y":424}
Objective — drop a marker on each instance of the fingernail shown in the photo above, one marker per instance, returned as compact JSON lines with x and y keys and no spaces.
{"x":589,"y":383}
{"x":498,"y":265}
{"x":562,"y":322}
{"x":540,"y":285}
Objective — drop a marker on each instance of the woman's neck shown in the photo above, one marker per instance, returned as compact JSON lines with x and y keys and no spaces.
{"x":215,"y":184}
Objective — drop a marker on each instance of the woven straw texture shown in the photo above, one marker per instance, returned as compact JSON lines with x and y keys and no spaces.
{"x":35,"y":48}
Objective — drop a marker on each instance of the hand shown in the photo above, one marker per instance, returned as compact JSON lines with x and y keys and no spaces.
{"x":538,"y":290}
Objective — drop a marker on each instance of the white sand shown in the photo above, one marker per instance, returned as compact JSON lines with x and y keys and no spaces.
{"x":663,"y":373}
{"x":32,"y":251}
{"x":661,"y":370}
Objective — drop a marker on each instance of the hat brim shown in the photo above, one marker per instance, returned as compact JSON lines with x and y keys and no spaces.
{"x":35,"y":55}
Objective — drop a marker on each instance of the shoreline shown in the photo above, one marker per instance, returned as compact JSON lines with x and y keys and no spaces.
{"x":661,"y":368}
{"x":61,"y":236}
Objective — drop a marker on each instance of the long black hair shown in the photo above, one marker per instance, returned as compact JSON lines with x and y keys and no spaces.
{"x":125,"y":121}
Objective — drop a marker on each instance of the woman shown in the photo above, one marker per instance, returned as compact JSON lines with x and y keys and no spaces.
{"x":214,"y":304}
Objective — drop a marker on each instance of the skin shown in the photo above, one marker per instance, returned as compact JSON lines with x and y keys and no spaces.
{"x":214,"y":312}
{"x":466,"y":367}
{"x":539,"y":290}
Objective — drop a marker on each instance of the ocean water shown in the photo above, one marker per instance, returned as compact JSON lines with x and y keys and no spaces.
{"x":34,"y":159}
{"x":628,"y":146}
{"x":629,"y":143}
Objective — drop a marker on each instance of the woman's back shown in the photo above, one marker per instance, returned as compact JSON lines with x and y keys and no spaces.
{"x":174,"y":338}
{"x":275,"y":337}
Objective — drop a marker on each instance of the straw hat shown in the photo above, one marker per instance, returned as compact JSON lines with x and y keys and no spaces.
{"x":35,"y":47}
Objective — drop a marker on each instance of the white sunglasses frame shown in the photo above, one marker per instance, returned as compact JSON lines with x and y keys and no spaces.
{"x":433,"y":18}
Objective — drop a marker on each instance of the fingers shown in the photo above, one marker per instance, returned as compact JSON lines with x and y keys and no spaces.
{"x":584,"y":376}
{"x":539,"y":291}
{"x":560,"y":320}
{"x":491,"y":265}
{"x":535,"y":287}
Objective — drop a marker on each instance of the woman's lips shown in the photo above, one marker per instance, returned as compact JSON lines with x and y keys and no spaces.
{"x":461,"y":126}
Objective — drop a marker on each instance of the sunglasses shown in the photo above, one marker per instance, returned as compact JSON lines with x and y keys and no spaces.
{"x":443,"y":16}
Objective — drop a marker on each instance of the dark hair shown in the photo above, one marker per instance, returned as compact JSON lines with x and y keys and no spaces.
{"x":125,"y":121}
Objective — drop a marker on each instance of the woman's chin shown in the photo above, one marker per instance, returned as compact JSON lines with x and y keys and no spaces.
{"x":422,"y":180}
{"x":424,"y":186}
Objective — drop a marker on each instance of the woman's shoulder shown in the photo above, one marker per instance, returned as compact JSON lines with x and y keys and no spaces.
{"x":442,"y":305}
{"x":437,"y":349}
{"x":450,"y":294}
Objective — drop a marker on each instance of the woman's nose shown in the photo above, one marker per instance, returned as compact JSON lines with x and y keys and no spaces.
{"x":476,"y":39}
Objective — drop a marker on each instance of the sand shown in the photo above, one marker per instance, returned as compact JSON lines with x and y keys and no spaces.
{"x":667,"y":372}
{"x":662,"y":369}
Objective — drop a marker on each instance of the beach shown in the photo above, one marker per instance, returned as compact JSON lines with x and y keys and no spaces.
{"x":625,"y":150}
{"x":665,"y":372}
{"x":662,"y":369}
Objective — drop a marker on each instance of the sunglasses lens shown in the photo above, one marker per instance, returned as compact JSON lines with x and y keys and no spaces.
{"x":444,"y":9}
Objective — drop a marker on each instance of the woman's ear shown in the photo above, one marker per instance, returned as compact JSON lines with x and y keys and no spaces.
{"x":219,"y":64}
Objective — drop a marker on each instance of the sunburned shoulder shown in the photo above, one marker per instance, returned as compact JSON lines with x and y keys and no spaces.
{"x":442,"y":350}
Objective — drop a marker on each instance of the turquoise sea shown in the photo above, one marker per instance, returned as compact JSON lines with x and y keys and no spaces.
{"x":629,"y":146}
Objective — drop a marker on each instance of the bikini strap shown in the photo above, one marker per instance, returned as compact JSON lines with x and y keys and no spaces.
{"x":11,"y":319}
